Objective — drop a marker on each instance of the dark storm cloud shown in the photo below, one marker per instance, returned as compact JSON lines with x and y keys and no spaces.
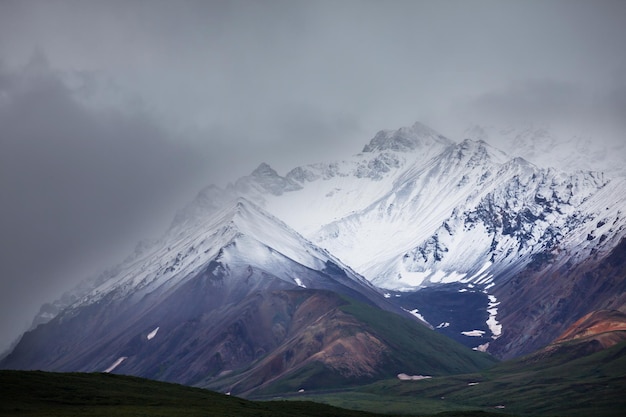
{"x":236,"y":66}
{"x":72,"y":181}
{"x":572,"y":109}
{"x":540,"y":100}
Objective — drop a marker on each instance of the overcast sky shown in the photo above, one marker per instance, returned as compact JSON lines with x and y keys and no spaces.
{"x":113,"y":113}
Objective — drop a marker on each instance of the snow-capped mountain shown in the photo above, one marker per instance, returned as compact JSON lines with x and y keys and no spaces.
{"x":181,"y":289}
{"x":236,"y":237}
{"x":414,"y":211}
{"x":237,"y":303}
{"x":432,"y":212}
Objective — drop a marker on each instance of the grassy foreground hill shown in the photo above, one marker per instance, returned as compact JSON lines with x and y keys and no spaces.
{"x":35,"y":393}
{"x":562,"y":384}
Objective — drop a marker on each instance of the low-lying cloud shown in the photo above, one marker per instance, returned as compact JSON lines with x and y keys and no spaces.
{"x":73,"y":181}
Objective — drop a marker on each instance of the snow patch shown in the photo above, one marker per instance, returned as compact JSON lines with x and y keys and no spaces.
{"x":153,"y":333}
{"x":481,"y":270}
{"x":494,"y":326}
{"x":487,"y":278}
{"x":482,"y":348}
{"x":474,"y":333}
{"x":443,"y":325}
{"x":414,"y":279}
{"x":447,"y":278}
{"x":115,"y":364}
{"x":405,"y":377}
{"x":437,"y":276}
{"x":299,"y":282}
{"x":416,"y":313}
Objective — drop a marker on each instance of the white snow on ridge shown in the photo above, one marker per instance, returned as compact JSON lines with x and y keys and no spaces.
{"x":416,"y":313}
{"x":482,"y":348}
{"x":494,"y":326}
{"x":153,"y":333}
{"x":261,"y":238}
{"x":482,"y":276}
{"x":405,"y":377}
{"x":115,"y":364}
{"x":447,"y":277}
{"x":474,"y":333}
{"x":299,"y":282}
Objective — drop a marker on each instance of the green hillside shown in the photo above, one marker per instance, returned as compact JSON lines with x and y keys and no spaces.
{"x":410,"y":348}
{"x":428,"y":352}
{"x":35,"y":393}
{"x":593,"y":385}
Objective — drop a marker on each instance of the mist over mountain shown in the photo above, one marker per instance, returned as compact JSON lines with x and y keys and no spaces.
{"x":253,"y":286}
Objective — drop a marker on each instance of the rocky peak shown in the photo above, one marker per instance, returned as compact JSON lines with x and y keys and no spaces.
{"x":406,"y":139}
{"x":264,"y":170}
{"x":265,"y":179}
{"x":478,"y":151}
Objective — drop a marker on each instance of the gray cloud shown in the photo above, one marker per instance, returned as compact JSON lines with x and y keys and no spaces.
{"x":567,"y":108}
{"x":73,"y":181}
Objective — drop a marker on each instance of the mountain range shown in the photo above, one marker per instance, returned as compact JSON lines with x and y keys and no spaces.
{"x":407,"y":258}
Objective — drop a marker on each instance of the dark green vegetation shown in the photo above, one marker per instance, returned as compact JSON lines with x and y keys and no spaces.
{"x":430,"y":353}
{"x":566,"y":384}
{"x":352,"y":344}
{"x":34,"y":393}
{"x":537,"y":385}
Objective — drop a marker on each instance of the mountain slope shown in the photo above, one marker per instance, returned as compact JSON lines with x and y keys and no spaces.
{"x":239,"y":251}
{"x":243,"y":293}
{"x":608,"y":327}
{"x":551,"y":294}
{"x":334,"y":342}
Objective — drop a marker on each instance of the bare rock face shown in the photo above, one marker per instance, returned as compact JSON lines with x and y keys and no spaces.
{"x":608,"y":327}
{"x":542,"y":302}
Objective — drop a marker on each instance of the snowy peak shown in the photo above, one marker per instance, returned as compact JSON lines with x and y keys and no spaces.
{"x":406,"y":139}
{"x":477,"y":152}
{"x":264,"y":179}
{"x":264,"y":170}
{"x":239,"y":236}
{"x":209,"y":200}
{"x":247,"y":219}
